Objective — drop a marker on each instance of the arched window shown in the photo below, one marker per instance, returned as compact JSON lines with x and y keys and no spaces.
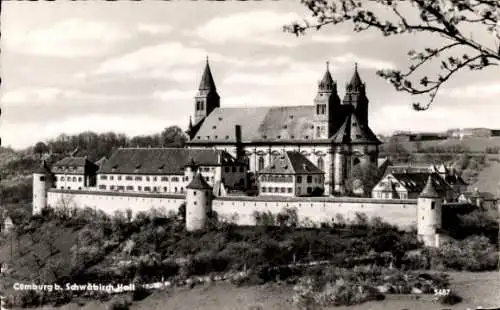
{"x":321,"y":164}
{"x":282,"y":178}
{"x":261,"y":163}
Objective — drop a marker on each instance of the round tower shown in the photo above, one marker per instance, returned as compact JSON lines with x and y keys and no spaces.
{"x":198,"y":203}
{"x":42,"y":181}
{"x":339,"y":170}
{"x":429,"y":221}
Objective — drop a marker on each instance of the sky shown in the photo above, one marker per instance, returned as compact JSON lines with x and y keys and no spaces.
{"x":134,"y":67}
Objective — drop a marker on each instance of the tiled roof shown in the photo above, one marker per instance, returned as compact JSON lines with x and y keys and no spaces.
{"x":416,"y":181}
{"x":71,"y":161}
{"x":257,"y":124}
{"x":291,"y":163}
{"x":43,"y":168}
{"x":355,"y":132}
{"x":198,"y":182}
{"x":161,"y":160}
{"x":429,"y":191}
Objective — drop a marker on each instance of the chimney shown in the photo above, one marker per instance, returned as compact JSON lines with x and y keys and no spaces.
{"x":239,"y":145}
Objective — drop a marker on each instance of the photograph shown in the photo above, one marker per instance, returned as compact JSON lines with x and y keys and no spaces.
{"x":250,"y":155}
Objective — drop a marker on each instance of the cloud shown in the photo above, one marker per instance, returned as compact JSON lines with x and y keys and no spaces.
{"x":363,"y":62}
{"x":25,"y":134}
{"x":255,"y":26}
{"x":68,"y":38}
{"x":473,"y":91}
{"x":171,"y":95}
{"x":36,"y":96}
{"x":322,"y":38}
{"x":154,"y":29}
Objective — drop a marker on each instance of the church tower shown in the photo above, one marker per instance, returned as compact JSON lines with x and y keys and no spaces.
{"x":207,"y":99}
{"x":355,"y":96}
{"x":326,"y":106}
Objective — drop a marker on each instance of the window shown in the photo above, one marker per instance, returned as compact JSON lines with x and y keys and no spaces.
{"x":299,"y":179}
{"x":147,"y":179}
{"x":130,"y":188}
{"x":112,"y":187}
{"x":263,"y":189}
{"x":104,"y":177}
{"x":120,"y":188}
{"x":128,"y":178}
{"x":80,"y":179}
{"x":62,"y":178}
{"x":111,"y":177}
{"x":201,"y":105}
{"x":119,"y":178}
{"x":164,"y":179}
{"x":321,"y":163}
{"x":42,"y":178}
{"x":164,"y":188}
{"x":138,"y":178}
{"x":74,"y":179}
{"x":234,"y":169}
{"x":309,"y":179}
{"x":182,"y":189}
{"x":194,"y":193}
{"x":309,"y":190}
{"x":433,"y":205}
{"x":139,"y":188}
{"x":318,"y":131}
{"x":175,"y":189}
{"x":147,"y":188}
{"x":102,"y":186}
{"x":261,"y":163}
{"x":289,"y":190}
{"x":276,"y":190}
{"x":283,"y":189}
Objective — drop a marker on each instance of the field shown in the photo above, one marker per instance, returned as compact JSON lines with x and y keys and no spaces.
{"x":477,"y":289}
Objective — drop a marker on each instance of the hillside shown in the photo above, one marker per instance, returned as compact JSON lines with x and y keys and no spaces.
{"x":474,"y":144}
{"x":488,"y":180}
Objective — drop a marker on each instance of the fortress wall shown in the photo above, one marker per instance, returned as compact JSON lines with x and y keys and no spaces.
{"x":109,"y":202}
{"x":241,"y":209}
{"x":398,"y":212}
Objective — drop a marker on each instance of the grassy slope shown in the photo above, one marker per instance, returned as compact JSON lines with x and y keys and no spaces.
{"x":475,"y":144}
{"x":477,"y":289}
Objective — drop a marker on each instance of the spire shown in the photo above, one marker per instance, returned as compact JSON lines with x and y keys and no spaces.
{"x":429,"y":191}
{"x":355,"y":83}
{"x":190,"y":126}
{"x":207,"y":80}
{"x":326,"y":82}
{"x":199,"y":182}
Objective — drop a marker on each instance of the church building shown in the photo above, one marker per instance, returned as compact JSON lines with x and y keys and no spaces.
{"x":332,"y":133}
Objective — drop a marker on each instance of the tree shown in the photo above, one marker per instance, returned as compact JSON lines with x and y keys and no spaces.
{"x":40,"y":148}
{"x":363,"y":178}
{"x":452,"y":20}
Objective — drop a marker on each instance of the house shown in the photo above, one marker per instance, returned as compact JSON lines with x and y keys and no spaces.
{"x":291,"y":174}
{"x":479,"y":199}
{"x":74,"y":173}
{"x":408,"y":185}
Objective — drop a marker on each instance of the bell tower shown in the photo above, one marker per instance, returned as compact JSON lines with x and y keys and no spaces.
{"x":355,"y":96}
{"x":326,"y":105}
{"x":207,"y":99}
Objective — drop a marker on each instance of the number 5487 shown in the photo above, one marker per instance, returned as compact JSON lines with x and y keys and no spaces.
{"x":441,"y":292}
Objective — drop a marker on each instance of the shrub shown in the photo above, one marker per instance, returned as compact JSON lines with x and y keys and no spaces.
{"x":450,"y":299}
{"x":119,"y":303}
{"x":140,"y":293}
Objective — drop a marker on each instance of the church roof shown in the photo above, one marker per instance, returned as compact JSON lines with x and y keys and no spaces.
{"x":327,"y":80}
{"x":355,"y":132}
{"x":207,"y":80}
{"x":161,"y":160}
{"x":71,"y":161}
{"x":257,"y":124}
{"x":429,"y":191}
{"x":291,"y":163}
{"x":198,"y":182}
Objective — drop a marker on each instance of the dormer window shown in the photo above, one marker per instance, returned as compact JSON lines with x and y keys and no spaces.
{"x":198,"y":137}
{"x":278,"y":137}
{"x":306,"y":137}
{"x":214,"y":127}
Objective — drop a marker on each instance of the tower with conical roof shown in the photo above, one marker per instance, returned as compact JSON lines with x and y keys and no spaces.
{"x":355,"y":96}
{"x":207,"y":98}
{"x":429,"y":213}
{"x":199,"y":198}
{"x":42,"y":181}
{"x":326,"y":106}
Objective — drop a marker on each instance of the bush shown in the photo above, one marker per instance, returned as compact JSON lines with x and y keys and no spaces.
{"x":140,"y":293}
{"x":119,"y":304}
{"x":450,"y":299}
